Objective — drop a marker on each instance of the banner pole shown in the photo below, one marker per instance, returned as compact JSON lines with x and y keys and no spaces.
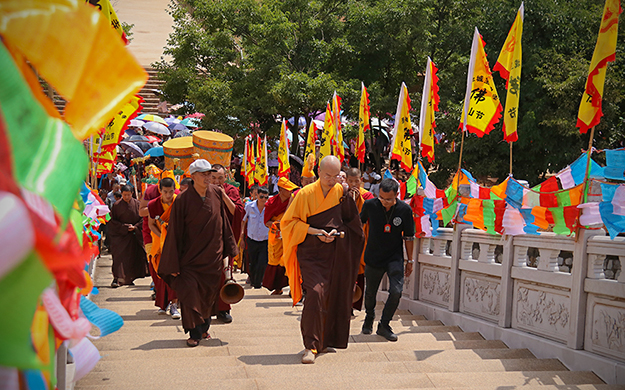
{"x":510,"y":158}
{"x":588,"y":154}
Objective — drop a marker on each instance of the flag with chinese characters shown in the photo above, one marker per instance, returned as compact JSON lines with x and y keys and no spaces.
{"x":401,"y":149}
{"x":327,"y":135}
{"x":364,"y":116}
{"x":108,"y":12}
{"x":250,"y":160}
{"x":429,"y":105}
{"x":337,"y":146}
{"x":310,"y":143}
{"x":114,"y":130}
{"x":261,"y":174}
{"x":482,"y":108}
{"x":509,"y":67}
{"x":590,"y":112}
{"x":284,"y":166}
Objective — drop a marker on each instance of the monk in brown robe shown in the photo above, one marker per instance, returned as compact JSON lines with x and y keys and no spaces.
{"x":125,"y":231}
{"x":326,"y":265}
{"x":275,"y":275}
{"x":199,"y":237}
{"x":354,"y":181}
{"x":235,"y":212}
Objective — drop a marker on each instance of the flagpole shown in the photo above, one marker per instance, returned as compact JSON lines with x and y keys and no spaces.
{"x":588,"y":153}
{"x":460,"y":161}
{"x":510,"y":158}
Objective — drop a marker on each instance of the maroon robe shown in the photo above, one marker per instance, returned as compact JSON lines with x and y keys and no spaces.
{"x":199,"y":237}
{"x":235,"y":221}
{"x":275,"y":275}
{"x":328,"y":275}
{"x":164,"y":293}
{"x":129,"y":259}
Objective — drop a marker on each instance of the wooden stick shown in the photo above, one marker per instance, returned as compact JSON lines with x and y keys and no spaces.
{"x":510,"y":158}
{"x":587,"y":175}
{"x":460,"y":161}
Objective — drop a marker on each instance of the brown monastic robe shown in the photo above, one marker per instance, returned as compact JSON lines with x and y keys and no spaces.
{"x":329,"y":273}
{"x":199,"y":237}
{"x":129,"y":259}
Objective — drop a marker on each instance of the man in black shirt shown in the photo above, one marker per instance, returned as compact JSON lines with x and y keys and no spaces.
{"x":390,"y":223}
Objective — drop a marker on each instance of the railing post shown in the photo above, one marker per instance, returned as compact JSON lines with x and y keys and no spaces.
{"x":412,"y":282}
{"x":578,"y":295}
{"x":507,"y":283}
{"x":454,"y":276}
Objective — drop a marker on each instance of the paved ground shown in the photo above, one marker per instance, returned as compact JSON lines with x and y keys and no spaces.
{"x":153,"y":24}
{"x":261,"y":349}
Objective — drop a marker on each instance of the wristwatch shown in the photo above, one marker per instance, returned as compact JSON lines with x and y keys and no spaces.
{"x":409,"y":261}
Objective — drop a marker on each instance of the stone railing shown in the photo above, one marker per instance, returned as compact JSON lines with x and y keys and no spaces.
{"x":556,"y":295}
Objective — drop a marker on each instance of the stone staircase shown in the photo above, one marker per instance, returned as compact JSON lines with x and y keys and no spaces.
{"x":150,"y":99}
{"x":261,"y":349}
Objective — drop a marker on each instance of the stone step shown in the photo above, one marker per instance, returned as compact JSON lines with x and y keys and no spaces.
{"x":422,"y":354}
{"x":481,"y":380}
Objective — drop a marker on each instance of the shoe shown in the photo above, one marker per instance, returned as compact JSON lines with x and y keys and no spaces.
{"x":277,"y":292}
{"x":224,"y":316}
{"x":206,"y":336}
{"x":161,"y":312}
{"x":367,"y":326}
{"x":114,"y":284}
{"x":308,"y":357}
{"x":153,"y":296}
{"x":386,"y":332}
{"x":328,"y":350}
{"x":193,"y":343}
{"x":173,"y":310}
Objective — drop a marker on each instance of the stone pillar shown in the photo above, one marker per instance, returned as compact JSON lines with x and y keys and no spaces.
{"x":454,"y":277}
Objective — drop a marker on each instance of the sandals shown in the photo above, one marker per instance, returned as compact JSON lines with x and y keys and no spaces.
{"x":192,"y":342}
{"x":206,"y":336}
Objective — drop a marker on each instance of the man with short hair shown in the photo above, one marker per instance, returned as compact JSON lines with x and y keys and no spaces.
{"x":275,"y":275}
{"x":360,"y":195}
{"x":110,"y":197}
{"x":185,"y":183}
{"x":390,"y":223}
{"x":325,"y":263}
{"x":125,"y":232}
{"x":235,"y":211}
{"x":199,"y":237}
{"x":257,"y":236}
{"x":159,"y":212}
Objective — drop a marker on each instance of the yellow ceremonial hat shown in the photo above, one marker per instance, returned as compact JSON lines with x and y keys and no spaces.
{"x":307,"y":170}
{"x":287,"y":184}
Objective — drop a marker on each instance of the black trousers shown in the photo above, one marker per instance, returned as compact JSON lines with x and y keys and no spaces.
{"x":259,"y":257}
{"x":196,"y":333}
{"x":373,"y":277}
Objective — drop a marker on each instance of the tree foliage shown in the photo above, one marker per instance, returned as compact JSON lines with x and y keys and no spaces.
{"x":244,"y":63}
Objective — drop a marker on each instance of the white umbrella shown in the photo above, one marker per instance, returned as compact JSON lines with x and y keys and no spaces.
{"x":136,"y":123}
{"x":157,"y":128}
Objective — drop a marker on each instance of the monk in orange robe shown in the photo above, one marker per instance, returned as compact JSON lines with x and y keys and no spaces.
{"x":323,"y":264}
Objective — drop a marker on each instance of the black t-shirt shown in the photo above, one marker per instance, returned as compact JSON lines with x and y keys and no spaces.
{"x":382,"y":247}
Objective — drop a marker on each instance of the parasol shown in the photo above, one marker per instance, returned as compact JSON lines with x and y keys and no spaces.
{"x":152,"y":118}
{"x":134,"y":150}
{"x":156,"y":127}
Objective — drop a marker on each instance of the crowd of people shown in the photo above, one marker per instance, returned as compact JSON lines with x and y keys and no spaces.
{"x":336,"y":235}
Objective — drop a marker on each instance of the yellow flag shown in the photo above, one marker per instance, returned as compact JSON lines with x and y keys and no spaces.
{"x":250,"y":161}
{"x":108,"y":12}
{"x":92,"y":69}
{"x":284,"y":166}
{"x":509,"y":67}
{"x":590,"y":112}
{"x":327,"y":135}
{"x":402,"y":131}
{"x":364,"y":116}
{"x":338,"y":149}
{"x":113,"y":130}
{"x":261,"y":174}
{"x":482,"y":108}
{"x":429,"y":105}
{"x":310,"y":143}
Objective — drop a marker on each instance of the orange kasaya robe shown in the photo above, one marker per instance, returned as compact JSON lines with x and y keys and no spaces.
{"x":309,"y":201}
{"x":360,"y":201}
{"x":157,"y":242}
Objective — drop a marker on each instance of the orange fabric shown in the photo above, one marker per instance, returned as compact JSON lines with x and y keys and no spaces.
{"x":360,"y":201}
{"x":157,"y":242}
{"x":308,"y":201}
{"x":275,"y":245}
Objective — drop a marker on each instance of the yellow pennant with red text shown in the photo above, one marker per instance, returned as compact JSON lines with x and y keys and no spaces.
{"x":284,"y":166}
{"x":429,"y":105}
{"x":401,"y":149}
{"x":364,"y":116}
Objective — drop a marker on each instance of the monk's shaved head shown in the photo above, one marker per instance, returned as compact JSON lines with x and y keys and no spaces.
{"x":330,"y":163}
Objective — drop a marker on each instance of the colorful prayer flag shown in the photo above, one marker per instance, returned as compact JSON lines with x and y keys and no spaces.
{"x":482,"y":108}
{"x":509,"y":67}
{"x":310,"y":143}
{"x":114,"y":130}
{"x":284,"y":166}
{"x":401,"y":149}
{"x":327,"y":135}
{"x":590,"y":111}
{"x":429,"y":105}
{"x":250,"y":166}
{"x":261,"y":174}
{"x":364,"y":116}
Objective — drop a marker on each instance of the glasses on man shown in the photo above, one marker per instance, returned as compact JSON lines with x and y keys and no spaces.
{"x":263,"y":197}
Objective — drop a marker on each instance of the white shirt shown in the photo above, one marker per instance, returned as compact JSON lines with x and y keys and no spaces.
{"x":256,"y":229}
